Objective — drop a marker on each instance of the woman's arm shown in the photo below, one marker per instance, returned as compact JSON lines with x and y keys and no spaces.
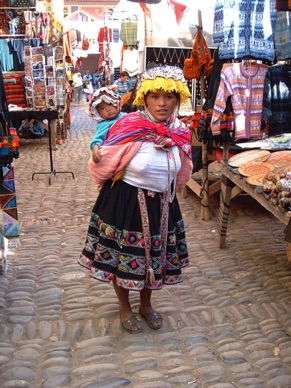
{"x":185,"y":172}
{"x":112,"y":161}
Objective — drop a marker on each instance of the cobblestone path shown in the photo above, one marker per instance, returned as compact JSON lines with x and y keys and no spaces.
{"x":228,"y":325}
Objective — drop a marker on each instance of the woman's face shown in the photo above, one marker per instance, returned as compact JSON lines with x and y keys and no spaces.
{"x":161,"y":104}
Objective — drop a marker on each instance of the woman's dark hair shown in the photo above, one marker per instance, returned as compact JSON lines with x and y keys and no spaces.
{"x":128,"y":106}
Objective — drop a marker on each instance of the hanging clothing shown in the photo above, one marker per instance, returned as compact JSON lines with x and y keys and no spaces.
{"x":282,"y":36}
{"x":19,"y":45}
{"x":130,"y":61}
{"x":245,"y":28}
{"x":104,"y":39}
{"x":8,"y":56}
{"x":244,"y":82}
{"x":128,"y":33}
{"x":277,"y":100}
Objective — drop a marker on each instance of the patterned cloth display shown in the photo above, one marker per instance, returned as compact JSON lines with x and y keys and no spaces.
{"x":277,"y":100}
{"x":282,"y":36}
{"x":9,"y":225}
{"x":245,"y":28}
{"x":128,"y":33}
{"x":244,"y":82}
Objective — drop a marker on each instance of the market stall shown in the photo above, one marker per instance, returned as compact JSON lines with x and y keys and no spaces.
{"x":265,"y":176}
{"x":251,"y":105}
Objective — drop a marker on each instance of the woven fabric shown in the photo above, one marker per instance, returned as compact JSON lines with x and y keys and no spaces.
{"x":9,"y":225}
{"x":128,"y":33}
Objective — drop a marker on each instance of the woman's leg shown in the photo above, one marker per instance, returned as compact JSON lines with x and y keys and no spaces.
{"x":152,"y":318}
{"x":80,"y":95}
{"x":127,"y":317}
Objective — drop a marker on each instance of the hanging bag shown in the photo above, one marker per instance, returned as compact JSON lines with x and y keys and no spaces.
{"x":192,"y":65}
{"x":208,"y":61}
{"x":85,"y":43}
{"x":200,"y":61}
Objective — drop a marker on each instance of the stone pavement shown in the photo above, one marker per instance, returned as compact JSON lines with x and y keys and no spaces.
{"x":228,"y":325}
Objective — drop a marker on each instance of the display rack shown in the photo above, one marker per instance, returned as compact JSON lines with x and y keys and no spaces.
{"x":52,"y":171}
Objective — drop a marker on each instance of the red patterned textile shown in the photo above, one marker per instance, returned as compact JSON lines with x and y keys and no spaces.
{"x":14,"y":89}
{"x":133,"y":127}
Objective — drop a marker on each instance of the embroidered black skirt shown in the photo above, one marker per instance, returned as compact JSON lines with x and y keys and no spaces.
{"x":116,"y":240}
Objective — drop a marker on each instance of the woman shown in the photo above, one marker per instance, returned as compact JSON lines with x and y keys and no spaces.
{"x":121,"y":84}
{"x":96,"y":79}
{"x":87,"y":84}
{"x":136,"y":236}
{"x":78,"y":86}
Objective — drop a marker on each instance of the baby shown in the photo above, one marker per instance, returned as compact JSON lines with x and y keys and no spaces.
{"x":104,"y":107}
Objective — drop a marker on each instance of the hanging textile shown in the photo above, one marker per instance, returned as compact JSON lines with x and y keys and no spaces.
{"x":244,"y":28}
{"x":9,"y":225}
{"x":276,"y":112}
{"x":130,"y":61}
{"x":282,"y":36}
{"x":179,"y":10}
{"x":244,"y":82}
{"x":104,"y":39}
{"x":128,"y":32}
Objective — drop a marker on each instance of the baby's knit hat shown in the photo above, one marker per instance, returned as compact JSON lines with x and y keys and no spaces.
{"x":103,"y":94}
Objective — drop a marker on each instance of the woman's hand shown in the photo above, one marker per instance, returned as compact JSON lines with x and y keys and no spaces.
{"x":95,"y":154}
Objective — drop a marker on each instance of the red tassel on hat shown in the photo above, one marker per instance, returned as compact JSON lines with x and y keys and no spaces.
{"x":179,"y":10}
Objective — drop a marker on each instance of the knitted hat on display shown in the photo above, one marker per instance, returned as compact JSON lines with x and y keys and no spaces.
{"x":166,"y":78}
{"x":103,"y":94}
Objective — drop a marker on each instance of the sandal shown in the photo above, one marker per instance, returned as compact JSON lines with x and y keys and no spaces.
{"x":132,"y":325}
{"x":154,"y":320}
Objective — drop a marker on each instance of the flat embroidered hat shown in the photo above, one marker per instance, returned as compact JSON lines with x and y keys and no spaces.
{"x":166,"y":78}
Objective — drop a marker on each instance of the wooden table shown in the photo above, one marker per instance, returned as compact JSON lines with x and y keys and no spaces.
{"x":38,"y":115}
{"x":203,"y":190}
{"x":233,"y":184}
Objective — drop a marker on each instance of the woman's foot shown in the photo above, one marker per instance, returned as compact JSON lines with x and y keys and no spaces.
{"x":153,"y":319}
{"x":131,"y":324}
{"x":128,"y":320}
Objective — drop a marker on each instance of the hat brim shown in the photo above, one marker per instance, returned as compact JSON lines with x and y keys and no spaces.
{"x":168,"y":85}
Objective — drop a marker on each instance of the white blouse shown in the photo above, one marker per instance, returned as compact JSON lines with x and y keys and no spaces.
{"x":148,"y":169}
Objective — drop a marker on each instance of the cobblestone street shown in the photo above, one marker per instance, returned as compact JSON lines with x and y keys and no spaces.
{"x":228,"y":325}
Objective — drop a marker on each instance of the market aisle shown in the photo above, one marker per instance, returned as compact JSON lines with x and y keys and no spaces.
{"x":228,"y":325}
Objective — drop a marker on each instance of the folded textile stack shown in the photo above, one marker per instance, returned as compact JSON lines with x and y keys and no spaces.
{"x":14,"y":89}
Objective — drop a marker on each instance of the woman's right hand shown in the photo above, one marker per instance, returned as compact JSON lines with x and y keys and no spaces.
{"x":95,"y":154}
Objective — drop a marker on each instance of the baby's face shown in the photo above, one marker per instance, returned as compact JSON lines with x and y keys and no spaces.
{"x":107,"y":111}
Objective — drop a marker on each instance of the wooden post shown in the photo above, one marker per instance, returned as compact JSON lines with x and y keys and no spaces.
{"x":204,"y":178}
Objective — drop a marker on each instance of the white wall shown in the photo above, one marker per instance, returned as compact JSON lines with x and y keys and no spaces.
{"x":162,"y":29}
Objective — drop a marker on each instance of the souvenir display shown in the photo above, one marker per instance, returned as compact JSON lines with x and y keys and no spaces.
{"x":256,"y":180}
{"x":45,"y":77}
{"x":280,"y":158}
{"x":255,"y":168}
{"x":248,"y":156}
